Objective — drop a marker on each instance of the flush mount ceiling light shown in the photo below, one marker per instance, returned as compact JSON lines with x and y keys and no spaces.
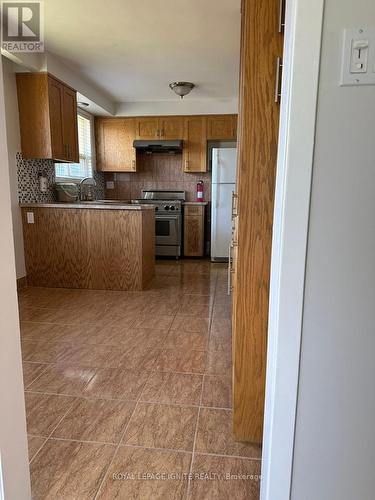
{"x":182,"y":88}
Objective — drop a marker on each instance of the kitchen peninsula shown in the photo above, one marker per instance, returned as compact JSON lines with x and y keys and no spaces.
{"x":89,"y":245}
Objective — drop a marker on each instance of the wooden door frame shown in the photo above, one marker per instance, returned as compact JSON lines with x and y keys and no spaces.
{"x":302,"y":46}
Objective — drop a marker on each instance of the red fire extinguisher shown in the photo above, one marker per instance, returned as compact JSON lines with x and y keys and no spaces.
{"x":200,"y":191}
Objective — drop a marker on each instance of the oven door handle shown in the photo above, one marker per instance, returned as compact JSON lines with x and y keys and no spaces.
{"x":171,"y":217}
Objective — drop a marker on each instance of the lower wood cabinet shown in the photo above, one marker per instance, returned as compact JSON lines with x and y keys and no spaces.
{"x":194,"y":230}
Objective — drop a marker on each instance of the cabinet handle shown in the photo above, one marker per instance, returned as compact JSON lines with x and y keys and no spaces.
{"x":234,"y":205}
{"x":230,"y":268}
{"x":186,"y":164}
{"x":281,"y":16}
{"x":133,"y":164}
{"x":279,"y":69}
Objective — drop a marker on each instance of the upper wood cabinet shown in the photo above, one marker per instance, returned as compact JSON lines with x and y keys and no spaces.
{"x":163,"y":127}
{"x":222,"y":127}
{"x":195,"y":144}
{"x":114,"y":144}
{"x":48,"y":118}
{"x":147,"y":128}
{"x":171,"y":127}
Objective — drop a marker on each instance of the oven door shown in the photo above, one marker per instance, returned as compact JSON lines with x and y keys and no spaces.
{"x":167,"y":230}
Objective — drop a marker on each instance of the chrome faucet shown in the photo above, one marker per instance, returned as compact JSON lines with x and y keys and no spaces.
{"x":89,"y":195}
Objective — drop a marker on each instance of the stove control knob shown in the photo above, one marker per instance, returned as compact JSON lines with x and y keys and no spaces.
{"x":166,"y":207}
{"x":172,"y":207}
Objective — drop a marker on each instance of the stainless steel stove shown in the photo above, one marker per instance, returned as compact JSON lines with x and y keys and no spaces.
{"x":168,"y":220}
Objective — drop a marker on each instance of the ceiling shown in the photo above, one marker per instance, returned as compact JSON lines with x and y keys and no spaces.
{"x":132,"y":49}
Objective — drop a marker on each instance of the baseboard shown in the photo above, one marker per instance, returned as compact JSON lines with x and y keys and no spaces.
{"x":21,"y":282}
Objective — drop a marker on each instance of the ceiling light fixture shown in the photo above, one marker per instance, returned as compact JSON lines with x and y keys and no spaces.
{"x":182,"y":88}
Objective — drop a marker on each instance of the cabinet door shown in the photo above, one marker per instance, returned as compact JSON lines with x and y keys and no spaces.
{"x":195,"y":144}
{"x":171,"y":127}
{"x":147,"y":128}
{"x":56,"y":102}
{"x":194,"y":236}
{"x":70,"y":124}
{"x":222,"y":127}
{"x":114,"y":145}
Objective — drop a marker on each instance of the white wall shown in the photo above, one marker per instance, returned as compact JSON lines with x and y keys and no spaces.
{"x":13,"y":443}
{"x":334,"y":452}
{"x":177,"y":106}
{"x":14,"y":146}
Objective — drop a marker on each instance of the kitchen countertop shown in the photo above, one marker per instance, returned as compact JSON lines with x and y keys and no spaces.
{"x":196,"y":203}
{"x":90,"y":205}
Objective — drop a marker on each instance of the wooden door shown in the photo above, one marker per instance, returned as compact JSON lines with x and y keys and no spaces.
{"x":70,"y":124}
{"x":171,"y":127}
{"x":195,"y":144}
{"x":222,"y":127}
{"x":56,"y":103}
{"x":147,"y":128}
{"x":257,"y":154}
{"x":114,"y":144}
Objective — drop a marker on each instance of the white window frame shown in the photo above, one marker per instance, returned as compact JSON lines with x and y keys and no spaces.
{"x":89,"y":116}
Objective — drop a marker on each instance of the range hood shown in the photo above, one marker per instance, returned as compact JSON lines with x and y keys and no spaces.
{"x":158,"y":146}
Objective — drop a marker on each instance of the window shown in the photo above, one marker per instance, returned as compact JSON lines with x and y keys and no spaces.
{"x":78,"y":171}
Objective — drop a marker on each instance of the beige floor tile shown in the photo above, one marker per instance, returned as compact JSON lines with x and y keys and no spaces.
{"x":34,"y":443}
{"x":43,"y":352}
{"x":155,"y":322}
{"x":69,"y":470}
{"x":215,"y":435}
{"x":162,"y":426}
{"x":197,"y":310}
{"x":116,"y":383}
{"x":186,"y":361}
{"x":190,"y":324}
{"x":180,"y":388}
{"x":140,"y":357}
{"x":224,"y":478}
{"x":219,"y":363}
{"x":44,"y":411}
{"x":126,"y":476}
{"x":217,"y":391}
{"x":95,"y":356}
{"x":61,"y":379}
{"x":95,"y":420}
{"x":31,"y":371}
{"x":179,"y":339}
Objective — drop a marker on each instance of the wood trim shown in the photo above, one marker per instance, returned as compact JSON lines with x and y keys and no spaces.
{"x":21,"y":283}
{"x":257,"y":153}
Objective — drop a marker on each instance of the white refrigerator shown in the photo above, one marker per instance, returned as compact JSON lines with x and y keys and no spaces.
{"x":224,"y":166}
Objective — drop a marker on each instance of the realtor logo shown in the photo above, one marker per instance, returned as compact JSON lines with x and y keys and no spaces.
{"x":22,"y":27}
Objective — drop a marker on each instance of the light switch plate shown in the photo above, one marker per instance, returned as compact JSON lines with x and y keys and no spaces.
{"x":358,"y":58}
{"x":30,"y":217}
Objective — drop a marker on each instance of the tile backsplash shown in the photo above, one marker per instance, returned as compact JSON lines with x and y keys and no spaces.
{"x":156,"y":171}
{"x":28,"y":181}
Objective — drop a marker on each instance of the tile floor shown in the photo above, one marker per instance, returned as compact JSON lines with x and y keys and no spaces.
{"x":128,"y":394}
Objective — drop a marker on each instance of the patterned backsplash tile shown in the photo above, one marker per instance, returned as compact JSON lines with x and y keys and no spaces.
{"x":28,"y":181}
{"x":157,"y":171}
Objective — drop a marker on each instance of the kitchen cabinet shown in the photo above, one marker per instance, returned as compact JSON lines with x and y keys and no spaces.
{"x":194,"y":230}
{"x":48,"y":118}
{"x":171,"y":127}
{"x":147,"y":128}
{"x":195,"y":144}
{"x":114,"y":144}
{"x":253,"y":212}
{"x":162,"y":127}
{"x":222,"y":127}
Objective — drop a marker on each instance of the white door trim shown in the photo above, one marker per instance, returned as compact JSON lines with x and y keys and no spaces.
{"x":304,"y":22}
